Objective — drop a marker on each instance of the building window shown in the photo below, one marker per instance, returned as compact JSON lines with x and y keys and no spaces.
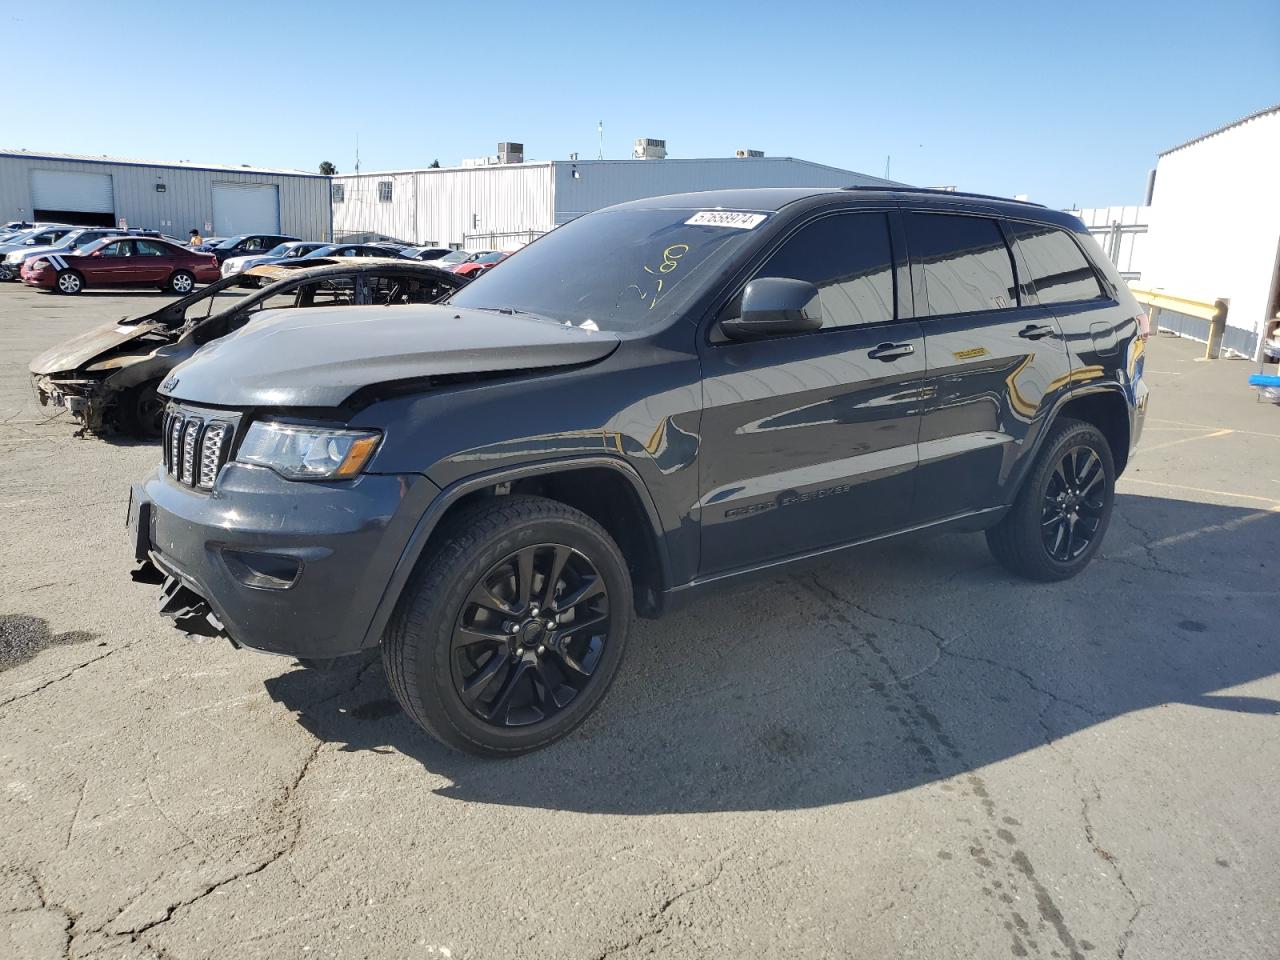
{"x":384,"y":191}
{"x":339,"y":192}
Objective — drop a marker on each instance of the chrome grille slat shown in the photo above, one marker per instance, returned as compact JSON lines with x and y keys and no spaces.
{"x":211,"y":453}
{"x":190,"y":440}
{"x":196,"y":446}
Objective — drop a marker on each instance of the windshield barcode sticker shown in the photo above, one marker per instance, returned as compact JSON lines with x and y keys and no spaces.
{"x":726,"y":218}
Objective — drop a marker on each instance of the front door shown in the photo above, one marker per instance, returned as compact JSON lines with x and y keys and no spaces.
{"x":996,"y":362}
{"x":109,"y":264}
{"x":809,"y":440}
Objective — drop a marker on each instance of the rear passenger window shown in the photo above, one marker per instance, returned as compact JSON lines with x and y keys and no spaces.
{"x":1059,"y":270}
{"x":848,"y":257}
{"x":965,"y":261}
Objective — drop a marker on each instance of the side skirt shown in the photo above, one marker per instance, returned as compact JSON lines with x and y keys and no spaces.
{"x":694,"y":590}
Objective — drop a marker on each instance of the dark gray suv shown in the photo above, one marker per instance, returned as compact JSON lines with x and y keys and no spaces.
{"x":648,"y":401}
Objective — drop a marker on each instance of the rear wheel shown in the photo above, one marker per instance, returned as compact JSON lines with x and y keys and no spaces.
{"x":182,"y":282}
{"x":1058,"y":521}
{"x":512,"y":629}
{"x":69,"y":282}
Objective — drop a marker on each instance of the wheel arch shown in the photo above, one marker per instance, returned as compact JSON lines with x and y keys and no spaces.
{"x":1104,"y":407}
{"x":607,"y":489}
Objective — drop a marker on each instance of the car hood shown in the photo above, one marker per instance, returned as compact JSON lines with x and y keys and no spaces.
{"x":81,"y":350}
{"x":320,"y":356}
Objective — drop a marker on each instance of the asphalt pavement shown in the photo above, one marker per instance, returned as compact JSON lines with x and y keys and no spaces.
{"x":903,"y":752}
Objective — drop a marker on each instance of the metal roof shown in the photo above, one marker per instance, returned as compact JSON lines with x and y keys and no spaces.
{"x":174,"y":165}
{"x":1222,"y":129}
{"x":669,"y":161}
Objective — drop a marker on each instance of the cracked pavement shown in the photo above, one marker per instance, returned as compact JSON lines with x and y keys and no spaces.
{"x":898,"y":753}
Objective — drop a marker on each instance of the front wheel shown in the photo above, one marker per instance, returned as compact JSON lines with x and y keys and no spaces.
{"x":1058,"y":521}
{"x":141,"y":411}
{"x":512,"y":627}
{"x":182,"y":282}
{"x":69,"y":282}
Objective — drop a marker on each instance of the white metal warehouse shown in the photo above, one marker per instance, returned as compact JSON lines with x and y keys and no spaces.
{"x":1215,"y":229}
{"x":502,"y":206}
{"x":170,"y":197}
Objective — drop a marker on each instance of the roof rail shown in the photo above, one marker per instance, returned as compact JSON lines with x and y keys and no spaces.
{"x":941,"y":193}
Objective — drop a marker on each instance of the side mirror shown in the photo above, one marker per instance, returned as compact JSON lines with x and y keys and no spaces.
{"x":775,"y":307}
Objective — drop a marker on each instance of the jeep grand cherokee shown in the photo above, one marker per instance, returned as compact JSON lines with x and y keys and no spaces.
{"x":647,"y":401}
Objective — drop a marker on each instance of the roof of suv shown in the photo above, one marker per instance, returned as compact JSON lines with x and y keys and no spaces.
{"x":775,"y":198}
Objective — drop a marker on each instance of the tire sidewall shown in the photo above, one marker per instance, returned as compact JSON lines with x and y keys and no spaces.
{"x":1075,"y":434}
{"x":72,"y":275}
{"x":435,"y":675}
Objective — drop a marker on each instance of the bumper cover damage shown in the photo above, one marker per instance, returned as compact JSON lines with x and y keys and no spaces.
{"x":299,"y":573}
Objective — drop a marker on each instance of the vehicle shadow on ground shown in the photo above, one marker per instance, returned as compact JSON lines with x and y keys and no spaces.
{"x":891,"y":668}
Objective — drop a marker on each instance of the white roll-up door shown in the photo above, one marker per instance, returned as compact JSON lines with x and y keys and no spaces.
{"x":245,"y":208}
{"x":65,"y":190}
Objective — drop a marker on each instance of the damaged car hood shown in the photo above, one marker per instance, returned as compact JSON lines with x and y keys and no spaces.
{"x":320,"y":356}
{"x":78,"y":351}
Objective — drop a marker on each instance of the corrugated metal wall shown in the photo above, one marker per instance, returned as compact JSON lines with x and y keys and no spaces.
{"x":450,"y":205}
{"x":444,"y":206}
{"x":186,"y":202}
{"x":601,"y":183}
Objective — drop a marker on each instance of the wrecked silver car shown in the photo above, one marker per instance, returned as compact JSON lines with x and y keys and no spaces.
{"x":106,"y":378}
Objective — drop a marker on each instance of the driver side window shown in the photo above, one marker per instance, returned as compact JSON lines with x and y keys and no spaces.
{"x":849,"y":258}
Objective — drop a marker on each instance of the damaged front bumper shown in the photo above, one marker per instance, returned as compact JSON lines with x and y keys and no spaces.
{"x":85,"y":400}
{"x":279,"y":566}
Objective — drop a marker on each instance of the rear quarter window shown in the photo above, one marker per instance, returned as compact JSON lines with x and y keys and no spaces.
{"x":1059,"y":270}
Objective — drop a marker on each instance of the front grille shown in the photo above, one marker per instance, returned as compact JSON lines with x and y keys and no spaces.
{"x":195,"y":448}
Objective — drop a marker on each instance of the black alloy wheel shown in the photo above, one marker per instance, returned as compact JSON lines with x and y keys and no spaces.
{"x":530,"y":635}
{"x":512,"y":627}
{"x":1073,"y":504}
{"x":1058,"y":519}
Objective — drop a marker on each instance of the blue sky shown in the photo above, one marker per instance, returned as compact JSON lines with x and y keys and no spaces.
{"x":1067,"y":102}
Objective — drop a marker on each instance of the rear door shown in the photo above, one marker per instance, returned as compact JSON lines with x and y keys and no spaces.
{"x":153,"y":262}
{"x":996,"y":360}
{"x":810,"y":440}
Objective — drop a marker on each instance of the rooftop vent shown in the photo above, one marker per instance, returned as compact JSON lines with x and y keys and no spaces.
{"x":743,"y":153}
{"x":648,"y":149}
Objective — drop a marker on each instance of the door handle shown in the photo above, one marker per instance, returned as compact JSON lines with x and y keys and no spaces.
{"x":891,"y":351}
{"x":1035,"y":332}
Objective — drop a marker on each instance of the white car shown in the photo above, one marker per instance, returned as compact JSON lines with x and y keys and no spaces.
{"x":289,"y":250}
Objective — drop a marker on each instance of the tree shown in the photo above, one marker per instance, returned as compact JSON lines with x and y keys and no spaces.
{"x":328,"y":169}
{"x":435,"y":165}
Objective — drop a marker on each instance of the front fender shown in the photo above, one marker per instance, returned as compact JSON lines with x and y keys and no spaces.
{"x":456,"y":491}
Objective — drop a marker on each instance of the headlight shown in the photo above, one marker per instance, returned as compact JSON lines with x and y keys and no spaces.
{"x":308,"y":453}
{"x":39,"y":264}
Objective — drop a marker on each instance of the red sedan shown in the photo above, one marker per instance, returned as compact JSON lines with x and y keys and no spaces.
{"x":122,"y":262}
{"x":478,"y":263}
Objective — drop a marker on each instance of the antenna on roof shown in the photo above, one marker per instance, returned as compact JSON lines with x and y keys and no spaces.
{"x":357,"y":154}
{"x":600,"y":130}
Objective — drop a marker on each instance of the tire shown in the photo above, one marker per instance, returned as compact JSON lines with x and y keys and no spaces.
{"x":140,"y":411}
{"x":182,"y":282}
{"x":8,"y":273}
{"x":440,"y":641}
{"x":69,"y":282}
{"x":1057,"y":523}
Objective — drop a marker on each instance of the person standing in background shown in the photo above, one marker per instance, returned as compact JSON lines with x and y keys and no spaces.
{"x":196,"y":240}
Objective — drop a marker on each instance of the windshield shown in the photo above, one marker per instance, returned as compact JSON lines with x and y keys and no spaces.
{"x":229,"y":243}
{"x":99,"y":244}
{"x":280,"y":249}
{"x":456,"y":257}
{"x":322,"y":251}
{"x":615,"y":270}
